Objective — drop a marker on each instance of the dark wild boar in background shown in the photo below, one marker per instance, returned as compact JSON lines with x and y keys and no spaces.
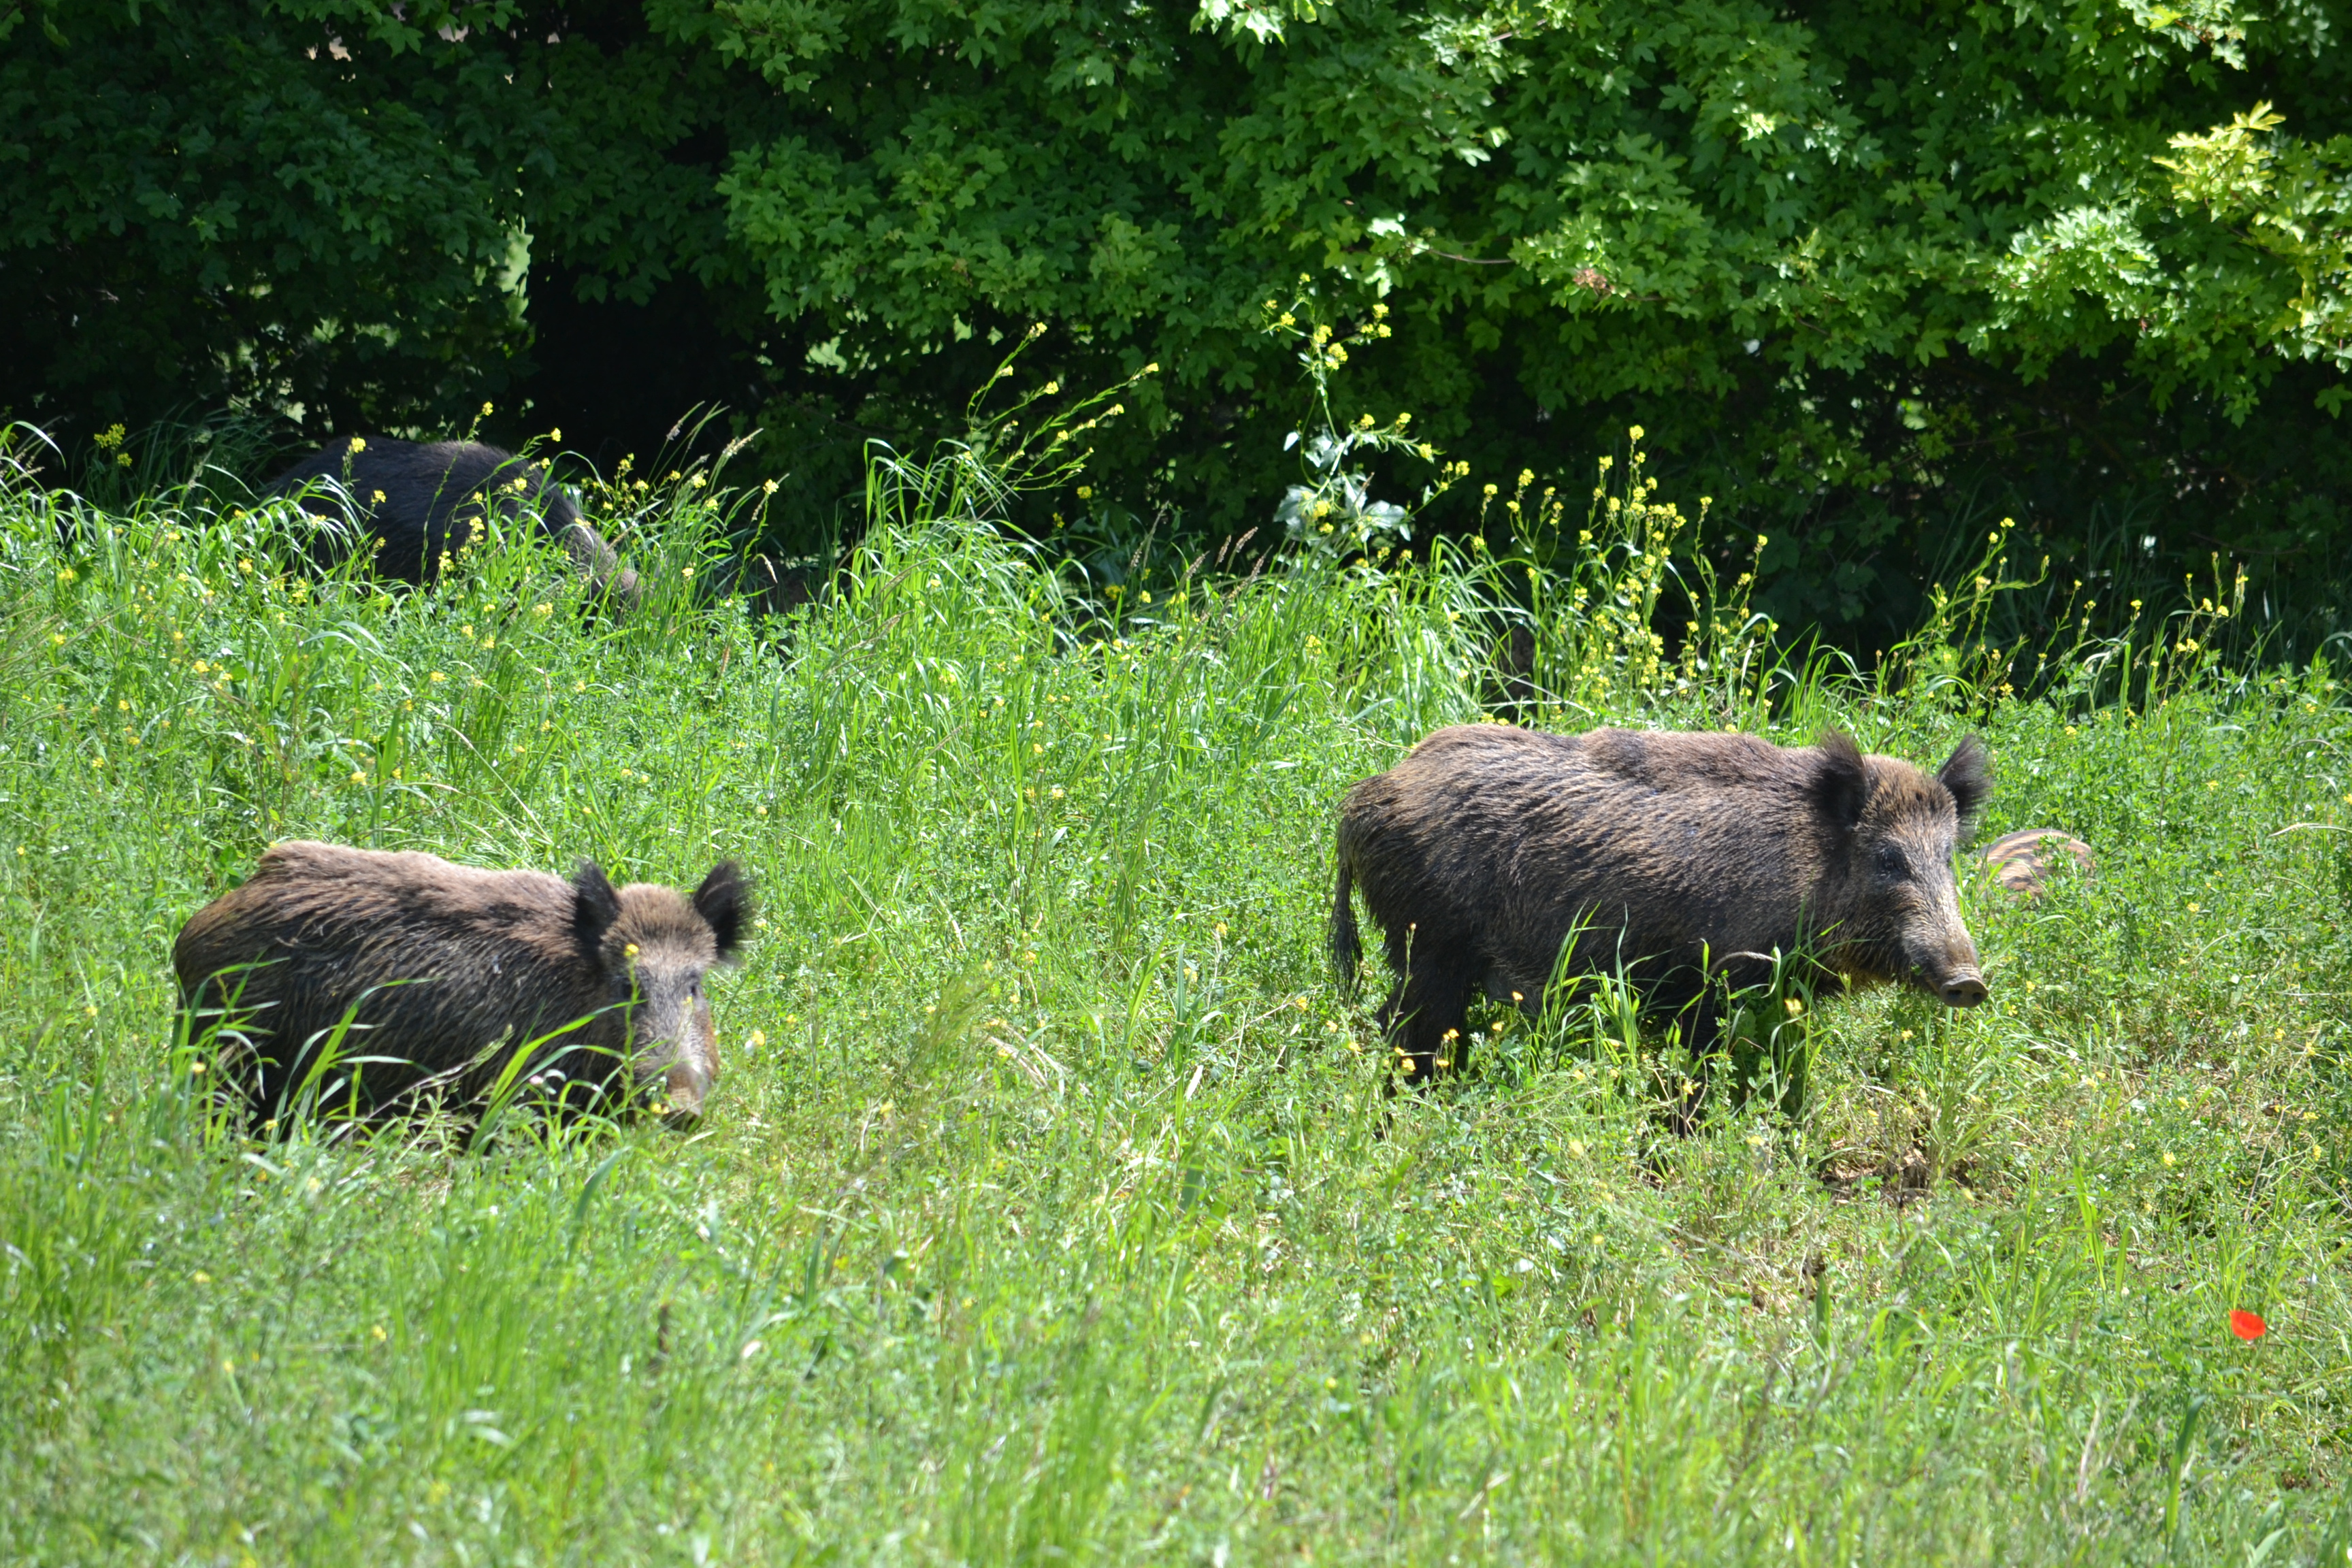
{"x":418,"y":504}
{"x":454,"y":970}
{"x":1675,"y":857}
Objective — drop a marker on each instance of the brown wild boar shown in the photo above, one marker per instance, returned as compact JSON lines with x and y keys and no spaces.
{"x":2022,"y":862}
{"x":1675,"y":857}
{"x":453,"y":969}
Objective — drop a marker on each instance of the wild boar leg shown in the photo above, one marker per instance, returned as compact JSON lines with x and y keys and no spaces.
{"x":1426,"y":1016}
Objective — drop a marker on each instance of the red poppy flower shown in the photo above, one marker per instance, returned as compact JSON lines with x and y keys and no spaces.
{"x":2247,"y":1325}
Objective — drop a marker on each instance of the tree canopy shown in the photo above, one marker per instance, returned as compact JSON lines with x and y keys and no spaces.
{"x":1865,"y":269}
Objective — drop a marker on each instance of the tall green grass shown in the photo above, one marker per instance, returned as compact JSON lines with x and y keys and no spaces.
{"x":1051,"y":1207}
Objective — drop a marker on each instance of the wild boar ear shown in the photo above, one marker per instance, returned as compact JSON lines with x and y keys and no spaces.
{"x":1841,"y":784}
{"x":1968,"y":773}
{"x":725,"y":900}
{"x":595,"y":907}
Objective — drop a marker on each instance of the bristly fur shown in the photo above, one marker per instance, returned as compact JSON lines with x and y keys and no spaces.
{"x":415,"y":505}
{"x":1482,"y":851}
{"x":452,"y":969}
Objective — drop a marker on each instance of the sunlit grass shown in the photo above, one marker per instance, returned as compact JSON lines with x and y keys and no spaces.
{"x":1049,"y":1205}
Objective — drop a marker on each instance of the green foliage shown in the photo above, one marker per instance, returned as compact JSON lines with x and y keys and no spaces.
{"x":1872,"y":272}
{"x":196,"y":212}
{"x":1050,"y":1206}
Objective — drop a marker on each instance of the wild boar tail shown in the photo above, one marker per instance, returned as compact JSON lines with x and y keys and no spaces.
{"x":1346,"y":946}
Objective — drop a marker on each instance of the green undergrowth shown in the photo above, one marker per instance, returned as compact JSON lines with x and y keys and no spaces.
{"x":1050,"y":1207}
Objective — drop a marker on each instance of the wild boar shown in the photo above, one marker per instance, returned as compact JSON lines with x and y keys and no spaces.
{"x":1685,"y":861}
{"x":422,"y":502}
{"x":2024,"y":861}
{"x":451,"y":969}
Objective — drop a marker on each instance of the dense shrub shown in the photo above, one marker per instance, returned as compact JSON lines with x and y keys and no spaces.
{"x":1872,"y":272}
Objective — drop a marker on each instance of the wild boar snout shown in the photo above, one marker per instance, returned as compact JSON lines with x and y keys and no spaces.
{"x":683,"y":1087}
{"x":1942,"y":955}
{"x":1949,"y":968}
{"x":674,"y":1073}
{"x":1961,"y":988}
{"x":672,"y":1045}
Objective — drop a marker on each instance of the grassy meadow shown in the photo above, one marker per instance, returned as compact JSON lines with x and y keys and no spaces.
{"x":1050,"y":1207}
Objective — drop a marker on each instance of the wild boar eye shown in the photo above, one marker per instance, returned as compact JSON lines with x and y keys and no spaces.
{"x":1891,"y":862}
